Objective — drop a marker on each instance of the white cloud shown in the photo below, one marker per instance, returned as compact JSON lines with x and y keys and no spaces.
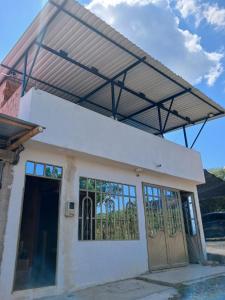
{"x":152,"y":25}
{"x":187,"y":7}
{"x":201,"y":10}
{"x":214,"y":15}
{"x":215,"y":71}
{"x":107,"y":3}
{"x":191,"y":41}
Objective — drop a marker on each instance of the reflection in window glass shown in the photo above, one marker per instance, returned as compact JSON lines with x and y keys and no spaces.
{"x":49,"y":171}
{"x":153,"y":210}
{"x":39,"y":170}
{"x":30,"y":168}
{"x":43,"y":170}
{"x":132,"y":191}
{"x":110,"y":213}
{"x":174,"y":222}
{"x":192,"y":216}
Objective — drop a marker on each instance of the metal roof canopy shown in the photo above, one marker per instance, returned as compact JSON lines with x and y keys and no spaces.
{"x":14,"y":132}
{"x":70,"y":52}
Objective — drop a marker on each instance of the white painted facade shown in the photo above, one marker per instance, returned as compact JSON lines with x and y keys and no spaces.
{"x":87,"y":144}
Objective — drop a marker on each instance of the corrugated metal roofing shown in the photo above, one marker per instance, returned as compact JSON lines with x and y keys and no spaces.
{"x":90,"y":42}
{"x":12,"y":129}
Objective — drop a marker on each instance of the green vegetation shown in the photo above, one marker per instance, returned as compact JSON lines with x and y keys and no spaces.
{"x":218,"y":172}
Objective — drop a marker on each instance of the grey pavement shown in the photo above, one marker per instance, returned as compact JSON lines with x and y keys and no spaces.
{"x":188,"y":274}
{"x":130,"y":289}
{"x":161,"y":285}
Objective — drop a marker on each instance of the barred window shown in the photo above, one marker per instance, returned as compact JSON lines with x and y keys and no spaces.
{"x":107,"y":211}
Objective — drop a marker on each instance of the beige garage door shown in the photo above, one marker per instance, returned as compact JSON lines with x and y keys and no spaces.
{"x":165,"y":227}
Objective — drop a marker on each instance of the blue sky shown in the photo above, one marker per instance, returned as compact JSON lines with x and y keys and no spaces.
{"x":186,"y":35}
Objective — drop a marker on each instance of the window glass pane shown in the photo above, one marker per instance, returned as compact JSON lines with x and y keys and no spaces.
{"x":125,"y":190}
{"x":98,"y":185}
{"x":114,"y":188}
{"x":193,"y":227}
{"x":91,"y":184}
{"x":83,"y":183}
{"x":149,"y":190}
{"x":39,"y":170}
{"x":48,"y":171}
{"x":155,"y":191}
{"x":59,"y":172}
{"x":120,"y":189}
{"x":132,"y":191}
{"x":29,"y":167}
{"x":103,"y":186}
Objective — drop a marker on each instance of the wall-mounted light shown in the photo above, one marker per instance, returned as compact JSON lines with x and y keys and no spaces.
{"x":138,"y":171}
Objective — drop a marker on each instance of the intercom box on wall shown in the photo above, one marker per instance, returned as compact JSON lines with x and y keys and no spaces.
{"x":69,"y":209}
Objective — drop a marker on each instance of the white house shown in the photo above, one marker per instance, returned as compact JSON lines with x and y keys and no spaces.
{"x":99,"y":195}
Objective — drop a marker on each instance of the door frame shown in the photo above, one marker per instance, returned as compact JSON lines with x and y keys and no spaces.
{"x":198,"y":233}
{"x":182,"y":224}
{"x":19,"y":228}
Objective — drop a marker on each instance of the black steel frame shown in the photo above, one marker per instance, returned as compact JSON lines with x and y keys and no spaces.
{"x":161,"y":130}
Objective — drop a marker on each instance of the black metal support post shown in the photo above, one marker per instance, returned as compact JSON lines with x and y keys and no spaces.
{"x":185,"y":136}
{"x":35,"y":57}
{"x":24,"y":74}
{"x":168,"y":114}
{"x":160,"y":121}
{"x":120,"y":92}
{"x":203,"y":125}
{"x":113,"y":101}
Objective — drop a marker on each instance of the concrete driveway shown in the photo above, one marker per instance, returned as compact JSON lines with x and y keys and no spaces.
{"x":130,"y":289}
{"x":177,"y":283}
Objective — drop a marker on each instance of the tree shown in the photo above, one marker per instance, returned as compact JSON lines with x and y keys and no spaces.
{"x":218,"y":172}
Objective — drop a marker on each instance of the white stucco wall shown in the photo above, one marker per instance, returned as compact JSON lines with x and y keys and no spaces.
{"x":73,"y":127}
{"x":80,"y":264}
{"x":88,"y":144}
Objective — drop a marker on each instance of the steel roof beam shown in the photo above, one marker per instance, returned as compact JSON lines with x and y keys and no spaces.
{"x":168,"y":114}
{"x":136,"y":63}
{"x":195,"y":140}
{"x":43,"y":82}
{"x":133,"y":120}
{"x":195,"y":122}
{"x":129,"y":52}
{"x":78,"y":97}
{"x":97,"y":73}
{"x":120,"y":92}
{"x":37,"y":37}
{"x":34,"y":60}
{"x":160,"y":103}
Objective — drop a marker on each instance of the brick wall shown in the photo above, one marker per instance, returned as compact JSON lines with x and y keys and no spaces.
{"x":9,"y":98}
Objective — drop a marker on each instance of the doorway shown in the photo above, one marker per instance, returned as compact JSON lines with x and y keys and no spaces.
{"x":37,"y":246}
{"x":191,"y":228}
{"x":164,"y":227}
